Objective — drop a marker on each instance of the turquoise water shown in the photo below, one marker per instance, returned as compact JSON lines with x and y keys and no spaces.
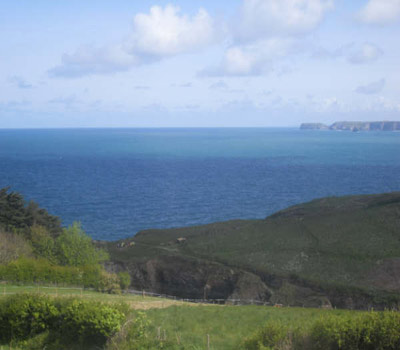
{"x":119,"y":181}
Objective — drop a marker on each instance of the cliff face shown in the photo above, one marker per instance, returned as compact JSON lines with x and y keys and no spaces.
{"x":366,"y":126}
{"x":354,"y":126}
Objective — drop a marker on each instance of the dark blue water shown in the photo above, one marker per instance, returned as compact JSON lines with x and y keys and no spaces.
{"x":119,"y":181}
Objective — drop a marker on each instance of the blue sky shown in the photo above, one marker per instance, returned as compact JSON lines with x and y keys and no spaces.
{"x":198,"y":63}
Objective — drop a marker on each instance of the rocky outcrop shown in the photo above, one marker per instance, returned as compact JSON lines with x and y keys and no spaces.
{"x":194,"y":279}
{"x":354,"y":126}
{"x":314,"y":126}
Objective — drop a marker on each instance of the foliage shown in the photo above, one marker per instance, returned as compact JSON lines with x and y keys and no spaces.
{"x":25,"y":315}
{"x":271,"y":335}
{"x":29,"y":319}
{"x":13,"y":246}
{"x":74,"y":248}
{"x":353,"y":331}
{"x":27,"y":270}
{"x":124,"y":279}
{"x":88,"y":322}
{"x":133,"y":334}
{"x":108,"y":283}
{"x":16,"y":215}
{"x":380,"y":331}
{"x":43,"y":243}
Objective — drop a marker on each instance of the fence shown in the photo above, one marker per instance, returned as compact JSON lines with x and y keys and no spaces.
{"x":7,"y":290}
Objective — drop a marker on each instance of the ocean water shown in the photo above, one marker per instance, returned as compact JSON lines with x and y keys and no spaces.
{"x":117,"y":182}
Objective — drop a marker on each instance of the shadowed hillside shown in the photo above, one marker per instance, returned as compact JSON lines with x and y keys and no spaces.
{"x":343,"y":251}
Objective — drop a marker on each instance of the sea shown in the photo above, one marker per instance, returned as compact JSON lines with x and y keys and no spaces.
{"x":117,"y":182}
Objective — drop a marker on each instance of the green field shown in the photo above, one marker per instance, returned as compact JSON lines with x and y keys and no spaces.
{"x":227,"y":326}
{"x":176,"y":325}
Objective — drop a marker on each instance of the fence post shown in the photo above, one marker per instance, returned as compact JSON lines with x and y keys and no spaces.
{"x":159,"y":333}
{"x":4,"y":290}
{"x":208,"y":342}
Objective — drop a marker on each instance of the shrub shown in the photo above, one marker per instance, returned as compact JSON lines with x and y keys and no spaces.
{"x":124,"y":280}
{"x":25,"y":315}
{"x":88,"y":322}
{"x":29,"y":318}
{"x":133,"y":335}
{"x":273,"y":335}
{"x":368,"y":331}
{"x":356,"y":331}
{"x":28,"y":270}
{"x":108,"y":283}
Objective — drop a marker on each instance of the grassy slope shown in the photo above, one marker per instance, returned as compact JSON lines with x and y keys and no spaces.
{"x":227,"y":326}
{"x":338,"y":239}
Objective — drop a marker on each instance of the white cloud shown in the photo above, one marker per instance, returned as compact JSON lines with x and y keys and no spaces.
{"x":164,"y":32}
{"x":367,"y":53}
{"x":265,"y":32}
{"x":268,"y":18}
{"x":372,"y":88}
{"x":380,"y":12}
{"x":253,"y":58}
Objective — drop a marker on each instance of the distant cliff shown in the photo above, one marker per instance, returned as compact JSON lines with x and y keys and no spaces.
{"x":314,"y":126}
{"x":354,"y":126}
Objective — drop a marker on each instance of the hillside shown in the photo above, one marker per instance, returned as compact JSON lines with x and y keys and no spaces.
{"x":343,"y":251}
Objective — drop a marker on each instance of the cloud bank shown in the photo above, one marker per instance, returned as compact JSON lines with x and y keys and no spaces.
{"x":163,"y":32}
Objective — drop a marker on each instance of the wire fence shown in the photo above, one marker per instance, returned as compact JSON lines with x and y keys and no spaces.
{"x":227,"y":301}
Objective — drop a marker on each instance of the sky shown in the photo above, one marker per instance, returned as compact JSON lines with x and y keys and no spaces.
{"x":199,"y":63}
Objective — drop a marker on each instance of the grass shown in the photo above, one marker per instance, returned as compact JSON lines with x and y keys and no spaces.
{"x":227,"y":326}
{"x":189,"y":326}
{"x":135,"y":301}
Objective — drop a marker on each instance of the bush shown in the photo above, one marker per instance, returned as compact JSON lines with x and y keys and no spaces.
{"x":272,"y":336}
{"x":58,"y":323}
{"x":108,"y":283}
{"x":88,"y":322}
{"x":356,"y":331}
{"x":25,"y":315}
{"x":28,"y":270}
{"x":369,"y":331}
{"x":124,"y":280}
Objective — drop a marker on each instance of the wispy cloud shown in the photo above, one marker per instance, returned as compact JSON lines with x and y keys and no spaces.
{"x":367,"y":53}
{"x":372,"y":88}
{"x":380,"y":12}
{"x":20,"y":82}
{"x":352,"y":52}
{"x":220,"y":84}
